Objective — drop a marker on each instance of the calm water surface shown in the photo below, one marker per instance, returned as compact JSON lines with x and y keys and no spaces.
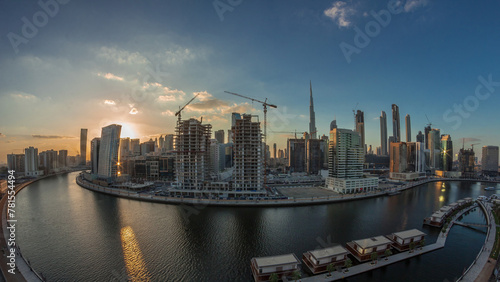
{"x":73,"y":234}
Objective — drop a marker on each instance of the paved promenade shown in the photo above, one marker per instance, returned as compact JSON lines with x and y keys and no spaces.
{"x":482,"y":267}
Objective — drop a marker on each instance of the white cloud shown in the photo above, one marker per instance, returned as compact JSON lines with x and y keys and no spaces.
{"x":121,"y":57}
{"x":168,"y":113}
{"x":24,"y":96}
{"x":110,"y":76}
{"x":412,"y":5}
{"x":109,"y":102}
{"x":166,"y":98}
{"x":339,"y":13}
{"x":133,"y":111}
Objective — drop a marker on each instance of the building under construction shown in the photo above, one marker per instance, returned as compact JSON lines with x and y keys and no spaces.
{"x":248,"y":174}
{"x":192,"y":148}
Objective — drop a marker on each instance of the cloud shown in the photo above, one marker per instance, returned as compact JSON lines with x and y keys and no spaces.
{"x":51,"y":136}
{"x":133,"y":111}
{"x":24,"y":96}
{"x":109,"y":102}
{"x":110,"y":76}
{"x":412,"y":5}
{"x":121,"y":57}
{"x":339,"y":13}
{"x":168,"y":113}
{"x":469,"y":140}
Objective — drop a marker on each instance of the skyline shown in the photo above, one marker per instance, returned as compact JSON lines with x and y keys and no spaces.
{"x":135,"y":63}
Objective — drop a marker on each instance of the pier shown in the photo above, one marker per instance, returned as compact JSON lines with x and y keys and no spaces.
{"x":369,"y":266}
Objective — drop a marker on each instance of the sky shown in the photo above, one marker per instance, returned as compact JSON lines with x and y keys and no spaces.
{"x":72,"y":64}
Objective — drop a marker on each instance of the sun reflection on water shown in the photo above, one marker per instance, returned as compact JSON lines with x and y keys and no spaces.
{"x":132,"y":255}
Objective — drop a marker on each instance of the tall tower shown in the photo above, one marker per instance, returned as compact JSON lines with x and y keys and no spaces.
{"x":360,"y":128}
{"x":396,"y":127}
{"x":383,"y":133}
{"x":447,"y":152}
{"x":312,"y":115}
{"x":408,"y":128}
{"x":83,"y":146}
{"x":108,"y":165}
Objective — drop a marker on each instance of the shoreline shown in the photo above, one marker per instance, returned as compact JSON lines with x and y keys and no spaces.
{"x":261,"y":202}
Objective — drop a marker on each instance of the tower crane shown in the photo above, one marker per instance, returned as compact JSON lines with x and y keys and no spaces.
{"x":178,"y":113}
{"x":264,"y":104}
{"x":472,"y":145}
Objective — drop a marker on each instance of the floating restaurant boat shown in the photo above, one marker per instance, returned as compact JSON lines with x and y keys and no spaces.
{"x":403,"y":239}
{"x":363,"y":249}
{"x":282,"y":265}
{"x":317,"y":261}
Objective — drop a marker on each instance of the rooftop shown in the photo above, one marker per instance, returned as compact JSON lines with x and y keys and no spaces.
{"x":409,"y":233}
{"x":328,"y":252}
{"x":372,"y":242}
{"x":276,"y":260}
{"x":438,"y":214}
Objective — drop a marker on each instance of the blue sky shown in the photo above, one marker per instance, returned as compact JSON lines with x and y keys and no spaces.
{"x":91,"y":63}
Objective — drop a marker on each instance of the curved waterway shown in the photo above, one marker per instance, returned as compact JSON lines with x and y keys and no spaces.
{"x":72,"y":234}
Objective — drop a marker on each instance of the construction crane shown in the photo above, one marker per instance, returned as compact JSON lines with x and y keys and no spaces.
{"x":287,"y":132}
{"x":178,"y":113}
{"x":429,"y":124}
{"x":265,"y":104}
{"x":472,"y":145}
{"x":354,"y":114}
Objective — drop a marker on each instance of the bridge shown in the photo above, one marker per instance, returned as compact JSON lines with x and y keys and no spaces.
{"x":473,"y":226}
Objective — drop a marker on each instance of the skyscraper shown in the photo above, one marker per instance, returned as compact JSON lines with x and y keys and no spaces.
{"x":219,"y":136}
{"x":312,"y":115}
{"x":396,"y":127}
{"x":360,"y":128}
{"x":296,"y":149}
{"x":83,"y":146}
{"x":489,"y":160}
{"x":135,"y":147}
{"x":274,"y":151}
{"x":434,"y":149}
{"x":345,"y":164}
{"x":31,"y":162}
{"x":421,"y":138}
{"x":466,"y":162}
{"x":124,"y":148}
{"x":248,"y":171}
{"x":62,"y":158}
{"x":447,"y":152}
{"x":333,"y":124}
{"x":408,"y":128}
{"x":427,"y":129}
{"x":192,"y":159}
{"x":94,"y":155}
{"x":383,"y":133}
{"x":108,"y":166}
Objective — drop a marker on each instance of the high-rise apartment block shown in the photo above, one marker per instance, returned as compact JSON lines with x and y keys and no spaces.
{"x":83,"y":146}
{"x":396,"y":126}
{"x":108,"y":165}
{"x":383,"y":134}
{"x":489,"y":160}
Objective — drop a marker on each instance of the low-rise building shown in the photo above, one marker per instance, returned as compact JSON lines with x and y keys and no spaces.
{"x":283,"y":265}
{"x":362,"y":249}
{"x":318,"y":260}
{"x":402,"y":240}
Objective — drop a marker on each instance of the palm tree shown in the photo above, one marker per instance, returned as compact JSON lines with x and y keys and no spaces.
{"x":330,"y":268}
{"x":296,"y":275}
{"x":387,"y":253}
{"x":273,"y":277}
{"x":348,"y":263}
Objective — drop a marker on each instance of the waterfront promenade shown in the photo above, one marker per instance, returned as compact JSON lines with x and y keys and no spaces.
{"x":290,"y":201}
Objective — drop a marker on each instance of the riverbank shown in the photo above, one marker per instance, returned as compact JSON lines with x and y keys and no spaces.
{"x":23,"y":270}
{"x":291,"y":201}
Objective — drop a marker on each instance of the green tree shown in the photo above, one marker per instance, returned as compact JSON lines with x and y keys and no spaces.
{"x":387,"y":253}
{"x":273,"y":277}
{"x":348,"y":263}
{"x":374,"y":256}
{"x":412,"y":246}
{"x":330,"y":268}
{"x":422,"y":243}
{"x":296,"y":275}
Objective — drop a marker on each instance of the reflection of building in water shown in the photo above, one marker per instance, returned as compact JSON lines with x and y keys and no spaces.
{"x":132,"y":255}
